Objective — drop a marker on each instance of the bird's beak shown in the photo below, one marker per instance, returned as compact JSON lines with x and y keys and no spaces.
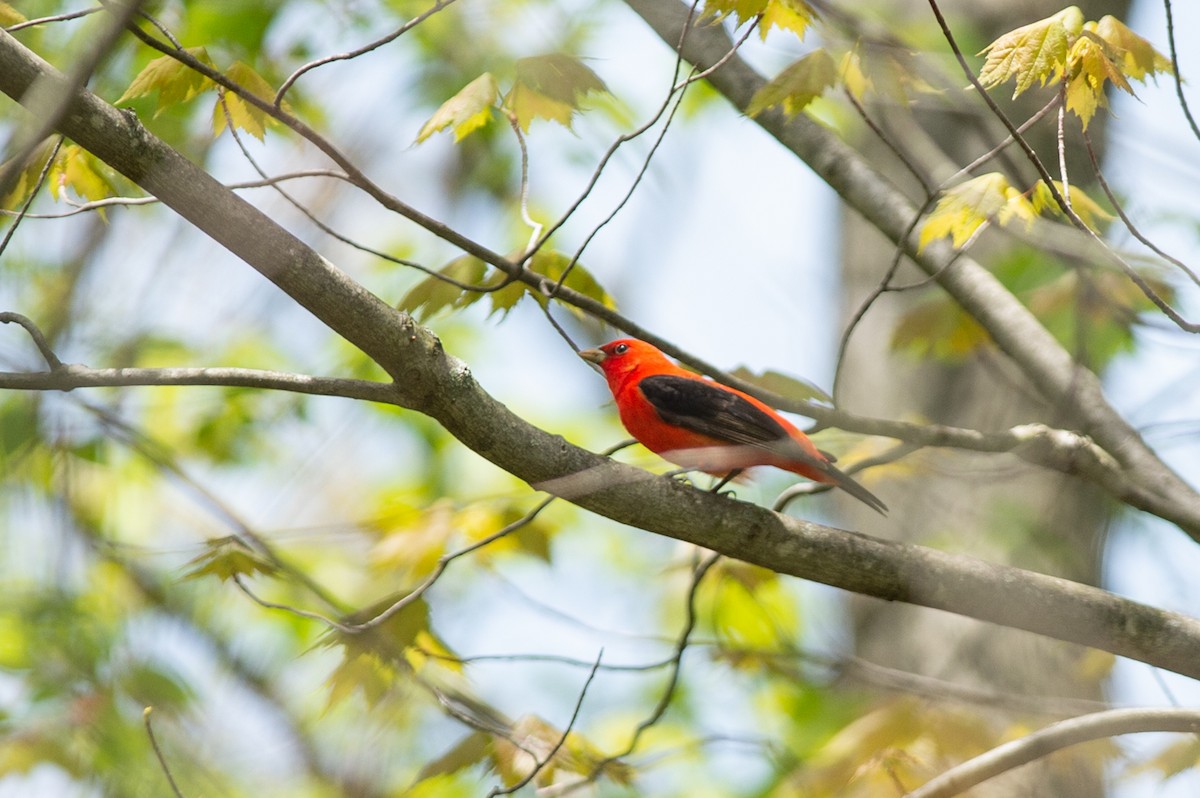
{"x":596,"y":356}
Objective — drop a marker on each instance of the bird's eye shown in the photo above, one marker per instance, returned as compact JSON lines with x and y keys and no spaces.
{"x":620,"y":349}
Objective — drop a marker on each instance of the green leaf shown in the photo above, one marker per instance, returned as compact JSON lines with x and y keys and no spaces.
{"x":466,"y":111}
{"x":1034,"y":52}
{"x":174,"y":81}
{"x":244,"y":115}
{"x":435,"y":293}
{"x":797,"y":85}
{"x":470,"y":750}
{"x":550,"y":87}
{"x":939,"y":329}
{"x":226,"y":558}
{"x":359,"y":673}
{"x":783,"y":384}
{"x":554,"y":264}
{"x":28,"y":176}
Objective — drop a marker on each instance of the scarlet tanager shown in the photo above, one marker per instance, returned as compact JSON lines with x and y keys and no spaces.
{"x":700,"y":424}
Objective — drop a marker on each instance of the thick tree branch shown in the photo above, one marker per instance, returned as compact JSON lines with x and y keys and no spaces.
{"x":1010,"y":324}
{"x":428,"y":380}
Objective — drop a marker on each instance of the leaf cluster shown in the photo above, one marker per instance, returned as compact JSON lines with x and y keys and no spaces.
{"x":1084,"y":57}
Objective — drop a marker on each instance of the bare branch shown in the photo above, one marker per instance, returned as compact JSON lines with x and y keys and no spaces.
{"x":1183,"y":103}
{"x":39,"y":339}
{"x":1053,"y":738}
{"x":391,"y":37}
{"x":162,"y":760}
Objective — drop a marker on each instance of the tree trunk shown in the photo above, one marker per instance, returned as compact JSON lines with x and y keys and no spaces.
{"x":1000,"y":509}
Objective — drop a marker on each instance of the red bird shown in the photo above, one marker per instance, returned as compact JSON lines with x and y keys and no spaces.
{"x":700,"y":424}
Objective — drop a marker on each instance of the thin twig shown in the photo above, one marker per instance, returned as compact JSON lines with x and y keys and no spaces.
{"x":29,"y":23}
{"x":535,"y":227}
{"x":681,"y":646}
{"x":23,"y":213}
{"x":1120,"y":209}
{"x":562,"y":740}
{"x":39,"y":338}
{"x":162,"y":760}
{"x":109,"y":202}
{"x":1183,"y":103}
{"x":329,"y":59}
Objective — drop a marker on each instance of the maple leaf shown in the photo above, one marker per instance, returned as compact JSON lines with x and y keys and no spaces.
{"x":466,"y":111}
{"x":965,"y":207}
{"x":244,"y":115}
{"x":744,"y":10}
{"x":1139,"y":58}
{"x":79,"y":170}
{"x":550,"y":87}
{"x":228,"y":557}
{"x":797,"y":85}
{"x":1086,"y":208}
{"x":1034,"y":52}
{"x":791,"y":15}
{"x":174,"y":81}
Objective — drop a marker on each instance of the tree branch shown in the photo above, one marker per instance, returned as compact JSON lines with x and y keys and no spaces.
{"x":429,"y":380}
{"x":1060,"y":735}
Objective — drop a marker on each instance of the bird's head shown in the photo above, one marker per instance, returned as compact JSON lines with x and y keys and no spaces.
{"x":623,"y":356}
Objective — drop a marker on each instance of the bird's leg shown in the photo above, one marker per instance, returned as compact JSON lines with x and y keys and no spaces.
{"x":681,"y":475}
{"x":726,"y":479}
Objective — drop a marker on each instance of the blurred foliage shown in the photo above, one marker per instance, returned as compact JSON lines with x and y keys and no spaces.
{"x":135,"y":517}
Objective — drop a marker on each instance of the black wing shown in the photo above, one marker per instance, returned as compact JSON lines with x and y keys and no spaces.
{"x":703,"y":407}
{"x":706,"y":408}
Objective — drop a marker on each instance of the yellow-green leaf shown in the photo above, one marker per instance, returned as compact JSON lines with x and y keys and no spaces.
{"x":791,"y":15}
{"x":1084,"y":206}
{"x":1138,"y":57}
{"x":466,"y":111}
{"x":28,"y":176}
{"x":940,"y":329}
{"x":437,"y":292}
{"x":850,"y":69}
{"x":550,"y":87}
{"x":783,"y":384}
{"x":174,"y":81}
{"x":554,"y":265}
{"x":226,"y":558}
{"x":963,"y":208}
{"x":1034,"y":52}
{"x":81,"y":172}
{"x":244,"y":115}
{"x":797,"y":85}
{"x":468,"y":751}
{"x":743,"y":10}
{"x":1092,"y":62}
{"x":9,"y":15}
